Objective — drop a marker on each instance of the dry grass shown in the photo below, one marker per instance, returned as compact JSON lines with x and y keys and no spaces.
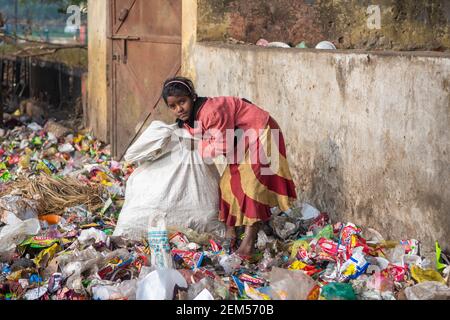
{"x":55,"y":195}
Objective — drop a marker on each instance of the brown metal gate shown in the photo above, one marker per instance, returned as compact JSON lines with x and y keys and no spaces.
{"x":145,"y":50}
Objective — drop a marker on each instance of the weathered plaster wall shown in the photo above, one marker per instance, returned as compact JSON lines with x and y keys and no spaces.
{"x":405,"y":25}
{"x":97,"y":108}
{"x":188,"y":36}
{"x":367,"y":134}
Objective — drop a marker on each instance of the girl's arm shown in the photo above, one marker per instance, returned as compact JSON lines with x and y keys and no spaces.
{"x":214,"y":141}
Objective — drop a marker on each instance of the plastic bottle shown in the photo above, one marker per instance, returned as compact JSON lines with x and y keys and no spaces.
{"x":158,"y":240}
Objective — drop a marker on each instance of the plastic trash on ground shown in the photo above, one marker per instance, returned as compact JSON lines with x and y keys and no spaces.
{"x":13,"y":234}
{"x":380,"y":282}
{"x":36,"y":293}
{"x":421,"y":275}
{"x":92,"y":234}
{"x":284,"y":227}
{"x":290,"y":284}
{"x":338,"y":291}
{"x":158,"y":240}
{"x":429,"y":290}
{"x":101,"y":250}
{"x":160,"y":285}
{"x":125,"y":290}
{"x":230,"y":263}
{"x":204,"y":295}
{"x":356,"y":265}
{"x":309,"y":212}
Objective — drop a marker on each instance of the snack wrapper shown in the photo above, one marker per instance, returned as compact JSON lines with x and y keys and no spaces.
{"x":192,"y":259}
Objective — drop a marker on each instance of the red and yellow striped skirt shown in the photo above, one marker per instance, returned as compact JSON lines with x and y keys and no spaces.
{"x":250,"y":188}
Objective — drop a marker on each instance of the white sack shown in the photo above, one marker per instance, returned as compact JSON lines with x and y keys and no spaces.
{"x":171,"y":179}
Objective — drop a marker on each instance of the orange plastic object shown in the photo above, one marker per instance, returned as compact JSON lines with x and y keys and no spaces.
{"x":50,"y":218}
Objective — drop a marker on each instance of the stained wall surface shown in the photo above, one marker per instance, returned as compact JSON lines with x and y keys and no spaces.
{"x":367,"y":135}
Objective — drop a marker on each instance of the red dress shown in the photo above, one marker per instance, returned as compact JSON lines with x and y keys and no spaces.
{"x":257,"y":177}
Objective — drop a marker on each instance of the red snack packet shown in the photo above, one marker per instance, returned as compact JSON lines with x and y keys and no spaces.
{"x":192,"y":259}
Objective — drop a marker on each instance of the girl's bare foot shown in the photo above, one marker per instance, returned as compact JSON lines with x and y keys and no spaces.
{"x":229,"y":245}
{"x":247,"y":246}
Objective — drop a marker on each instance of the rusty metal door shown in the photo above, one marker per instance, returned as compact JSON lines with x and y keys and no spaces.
{"x":145,"y":50}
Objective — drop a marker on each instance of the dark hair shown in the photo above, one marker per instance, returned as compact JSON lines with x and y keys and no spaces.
{"x":178,"y":87}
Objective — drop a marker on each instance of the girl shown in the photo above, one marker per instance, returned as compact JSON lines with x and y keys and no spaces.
{"x":250,"y":186}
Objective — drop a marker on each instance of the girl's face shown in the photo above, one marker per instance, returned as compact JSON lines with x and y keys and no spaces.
{"x":181,"y":106}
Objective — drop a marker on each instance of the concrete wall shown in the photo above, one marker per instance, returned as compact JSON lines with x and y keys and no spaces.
{"x":188,"y":36}
{"x":96,"y":117}
{"x":404,"y":25}
{"x":367,"y":134}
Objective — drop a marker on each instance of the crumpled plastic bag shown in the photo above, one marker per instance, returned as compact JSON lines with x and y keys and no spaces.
{"x":160,"y":285}
{"x":205,"y":295}
{"x":230,"y":263}
{"x":65,"y":258}
{"x":66,"y":148}
{"x":86,"y":262}
{"x":125,"y":290}
{"x":92,"y":234}
{"x":421,"y":275}
{"x":338,"y":291}
{"x":290,"y":284}
{"x":14,"y":208}
{"x":430,"y":290}
{"x":34,"y":126}
{"x":439,"y":265}
{"x":74,"y":270}
{"x":381,"y":283}
{"x":326,"y":232}
{"x":262,"y":240}
{"x":395,"y":254}
{"x":284,"y":227}
{"x":13,"y":234}
{"x":309,"y":212}
{"x":377,"y":264}
{"x":372,"y":236}
{"x":21,"y":221}
{"x":36,"y":293}
{"x":376,"y":295}
{"x":215,"y":287}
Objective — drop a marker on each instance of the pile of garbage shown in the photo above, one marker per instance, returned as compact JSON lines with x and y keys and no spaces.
{"x":322,"y":45}
{"x":51,"y":249}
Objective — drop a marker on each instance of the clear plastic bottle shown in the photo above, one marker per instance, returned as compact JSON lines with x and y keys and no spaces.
{"x":158,"y":240}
